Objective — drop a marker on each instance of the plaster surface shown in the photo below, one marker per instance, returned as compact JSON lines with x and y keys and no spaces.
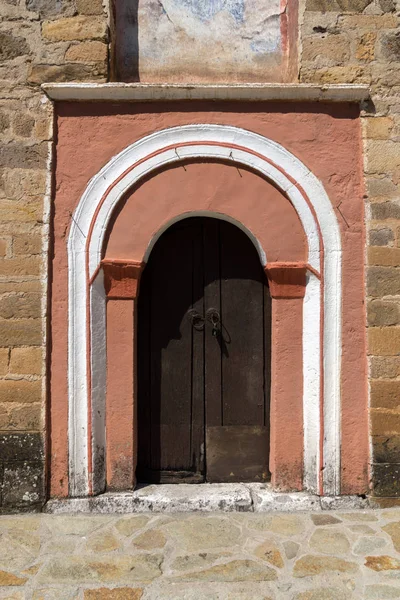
{"x":109,"y":129}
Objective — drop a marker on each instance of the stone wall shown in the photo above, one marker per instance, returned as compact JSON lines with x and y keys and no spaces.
{"x":358,"y":41}
{"x":40,"y":40}
{"x":341,"y":41}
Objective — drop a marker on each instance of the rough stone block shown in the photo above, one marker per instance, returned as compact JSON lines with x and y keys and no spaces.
{"x":390,"y":45}
{"x":338,"y":5}
{"x":381,"y":236}
{"x":385,"y":210}
{"x":385,"y":422}
{"x":23,"y":125}
{"x":90,"y":7}
{"x":51,"y":8}
{"x":366,"y":46}
{"x":20,"y":306}
{"x":3,"y":248}
{"x":70,"y":72}
{"x":12,"y":46}
{"x":26,"y":361}
{"x":382,"y":187}
{"x":386,"y":479}
{"x":347,"y":74}
{"x":19,"y":183}
{"x":23,"y":484}
{"x":22,"y":417}
{"x":386,"y":449}
{"x":384,"y":341}
{"x":325,"y":51}
{"x":21,"y":447}
{"x":20,"y":391}
{"x":379,"y":128}
{"x":26,"y":245}
{"x":87,"y":52}
{"x":4,"y":122}
{"x":15,"y":267}
{"x":113,"y":594}
{"x":383,"y":281}
{"x":385,"y":257}
{"x":385,"y":394}
{"x":75,"y":28}
{"x":384,"y":367}
{"x":383,"y":313}
{"x":16,"y":155}
{"x":382,"y":156}
{"x":23,"y":332}
{"x":4,"y":360}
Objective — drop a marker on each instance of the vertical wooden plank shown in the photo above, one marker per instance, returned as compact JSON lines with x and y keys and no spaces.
{"x":212,"y":299}
{"x":242,"y":302}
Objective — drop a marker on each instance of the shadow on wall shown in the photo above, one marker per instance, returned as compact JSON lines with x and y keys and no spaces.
{"x":126,"y":51}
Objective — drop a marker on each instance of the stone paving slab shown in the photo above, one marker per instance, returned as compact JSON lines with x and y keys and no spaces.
{"x":319,"y":555}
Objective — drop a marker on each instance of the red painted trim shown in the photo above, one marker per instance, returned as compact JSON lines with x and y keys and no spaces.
{"x":89,"y":279}
{"x":121,"y":278}
{"x":287,"y":280}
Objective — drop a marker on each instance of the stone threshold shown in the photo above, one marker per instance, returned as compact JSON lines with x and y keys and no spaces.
{"x":216,"y":497}
{"x":251,"y":92}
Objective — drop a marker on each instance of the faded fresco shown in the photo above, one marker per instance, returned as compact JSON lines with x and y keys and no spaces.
{"x":202,"y":40}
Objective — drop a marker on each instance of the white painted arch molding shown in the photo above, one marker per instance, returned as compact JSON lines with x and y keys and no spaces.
{"x":85,"y":242}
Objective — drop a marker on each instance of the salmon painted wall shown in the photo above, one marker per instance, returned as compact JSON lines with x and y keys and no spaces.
{"x":326,"y":138}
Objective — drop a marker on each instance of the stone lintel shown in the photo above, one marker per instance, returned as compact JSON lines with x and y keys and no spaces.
{"x":286,"y":280}
{"x":251,"y":92}
{"x":121,"y":278}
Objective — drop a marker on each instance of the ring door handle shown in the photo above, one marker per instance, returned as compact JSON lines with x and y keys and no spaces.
{"x":214,"y":317}
{"x":196,"y":319}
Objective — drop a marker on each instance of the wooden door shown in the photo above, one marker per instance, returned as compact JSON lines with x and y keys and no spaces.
{"x":203,"y":357}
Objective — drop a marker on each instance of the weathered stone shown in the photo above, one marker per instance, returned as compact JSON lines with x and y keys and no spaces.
{"x":50,"y":8}
{"x":381,"y":236}
{"x":385,"y":394}
{"x":86,"y":569}
{"x":385,"y":257}
{"x":76,"y":524}
{"x":338,"y":5}
{"x":23,"y":484}
{"x":386,"y":479}
{"x":23,"y":332}
{"x":190,"y":562}
{"x":11,"y":47}
{"x":128,"y":525}
{"x":386,"y":449}
{"x":271,"y":554}
{"x":15,"y":155}
{"x":26,"y":361}
{"x":385,"y":210}
{"x":23,"y":125}
{"x":384,"y":342}
{"x":385,"y":422}
{"x":70,"y":72}
{"x":364,"y":529}
{"x":385,"y":367}
{"x":287,"y":524}
{"x":18,"y":306}
{"x":75,"y":28}
{"x":310,"y":565}
{"x":26,"y":244}
{"x":214,"y":532}
{"x":20,"y":391}
{"x":65,"y":544}
{"x":114,"y":594}
{"x":90,"y":7}
{"x":291,"y":549}
{"x":20,"y":418}
{"x":382,"y":187}
{"x":366,"y":545}
{"x":8,"y":579}
{"x":382,"y":563}
{"x":391,"y":46}
{"x":87,"y":52}
{"x":379,"y":128}
{"x":21,"y":447}
{"x":102,"y":541}
{"x":326,"y":50}
{"x":382,"y":156}
{"x":66,"y":593}
{"x":4,"y":122}
{"x":236,"y":570}
{"x":329,"y":541}
{"x":4,"y":360}
{"x":381,"y":592}
{"x":150,"y":540}
{"x":325,"y":593}
{"x":20,"y":266}
{"x":366,"y":46}
{"x":323,"y":519}
{"x":393,"y":529}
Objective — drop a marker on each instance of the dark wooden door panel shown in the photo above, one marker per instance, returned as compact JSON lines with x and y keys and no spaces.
{"x":237,"y":453}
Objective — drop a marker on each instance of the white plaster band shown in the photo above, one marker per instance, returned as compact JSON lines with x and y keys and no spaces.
{"x":90,"y":220}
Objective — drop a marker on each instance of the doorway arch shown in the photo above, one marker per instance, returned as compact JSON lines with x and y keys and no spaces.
{"x":87,"y":298}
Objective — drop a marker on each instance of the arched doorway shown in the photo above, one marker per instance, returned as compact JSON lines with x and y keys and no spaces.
{"x":204,"y":325}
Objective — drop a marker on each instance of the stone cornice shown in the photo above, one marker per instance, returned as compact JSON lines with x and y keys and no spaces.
{"x":251,"y":92}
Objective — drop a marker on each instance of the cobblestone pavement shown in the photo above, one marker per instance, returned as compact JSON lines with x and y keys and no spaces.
{"x":235,"y":556}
